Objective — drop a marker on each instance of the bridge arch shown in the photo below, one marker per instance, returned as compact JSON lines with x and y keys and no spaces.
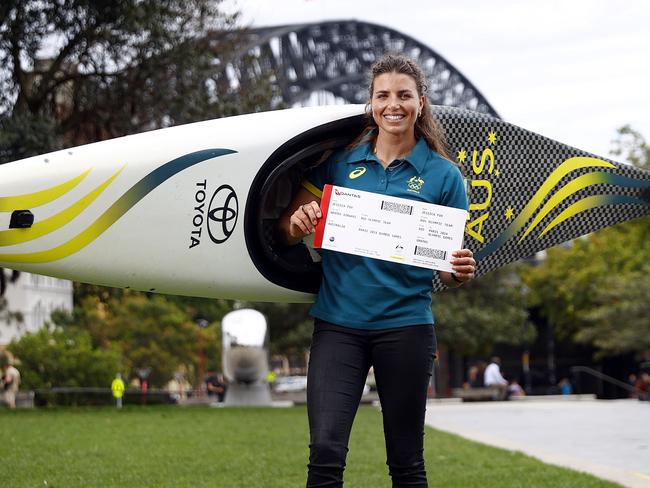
{"x":333,"y":57}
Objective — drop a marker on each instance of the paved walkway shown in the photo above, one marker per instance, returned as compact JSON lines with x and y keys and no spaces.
{"x":607,"y":438}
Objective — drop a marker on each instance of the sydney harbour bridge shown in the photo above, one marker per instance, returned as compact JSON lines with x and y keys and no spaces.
{"x":328,"y":62}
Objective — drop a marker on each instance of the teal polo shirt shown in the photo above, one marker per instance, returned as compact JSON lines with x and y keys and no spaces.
{"x":372,"y":294}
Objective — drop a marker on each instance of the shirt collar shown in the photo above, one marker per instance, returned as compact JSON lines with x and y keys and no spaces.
{"x":417,"y":157}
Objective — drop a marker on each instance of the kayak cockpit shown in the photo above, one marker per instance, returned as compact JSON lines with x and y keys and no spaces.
{"x":294,"y":267}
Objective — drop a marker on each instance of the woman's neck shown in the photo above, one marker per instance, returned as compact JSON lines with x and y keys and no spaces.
{"x":389,"y":147}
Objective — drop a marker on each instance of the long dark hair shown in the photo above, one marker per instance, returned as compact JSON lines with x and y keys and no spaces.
{"x":426,"y":125}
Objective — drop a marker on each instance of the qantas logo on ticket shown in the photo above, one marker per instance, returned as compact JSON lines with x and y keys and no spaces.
{"x":338,"y":192}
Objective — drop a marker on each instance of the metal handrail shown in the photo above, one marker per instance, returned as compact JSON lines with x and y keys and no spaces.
{"x":602,"y":376}
{"x":65,"y":390}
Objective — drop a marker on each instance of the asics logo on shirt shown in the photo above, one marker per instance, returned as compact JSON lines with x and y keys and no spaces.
{"x":358,"y":171}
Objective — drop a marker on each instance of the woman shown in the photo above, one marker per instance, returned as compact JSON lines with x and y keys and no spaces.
{"x":371,"y":312}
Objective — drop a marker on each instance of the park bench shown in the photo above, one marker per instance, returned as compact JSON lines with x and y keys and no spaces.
{"x":25,"y":399}
{"x":485,"y":393}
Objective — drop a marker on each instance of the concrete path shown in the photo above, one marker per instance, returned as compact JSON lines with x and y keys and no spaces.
{"x":607,"y":438}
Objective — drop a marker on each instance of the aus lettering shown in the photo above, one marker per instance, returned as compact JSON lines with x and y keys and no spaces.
{"x":198,"y":213}
{"x":482,"y":187}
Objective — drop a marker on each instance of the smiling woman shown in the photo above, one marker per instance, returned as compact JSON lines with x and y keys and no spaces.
{"x":396,"y":106}
{"x":399,"y":106}
{"x":370,"y":312}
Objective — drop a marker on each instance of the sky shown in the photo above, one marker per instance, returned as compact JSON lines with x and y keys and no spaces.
{"x":572,"y":70}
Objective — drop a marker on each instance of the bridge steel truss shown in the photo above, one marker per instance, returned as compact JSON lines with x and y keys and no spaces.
{"x":334,"y":57}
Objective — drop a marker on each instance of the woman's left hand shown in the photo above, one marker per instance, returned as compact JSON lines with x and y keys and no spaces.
{"x":463,"y":265}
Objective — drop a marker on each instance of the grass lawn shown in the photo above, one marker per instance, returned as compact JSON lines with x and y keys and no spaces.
{"x":249,"y":448}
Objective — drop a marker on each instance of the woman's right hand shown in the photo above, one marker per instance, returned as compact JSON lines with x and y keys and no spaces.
{"x":304,"y":219}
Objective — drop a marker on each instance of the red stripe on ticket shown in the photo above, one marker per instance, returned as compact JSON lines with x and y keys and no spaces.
{"x":324,"y":207}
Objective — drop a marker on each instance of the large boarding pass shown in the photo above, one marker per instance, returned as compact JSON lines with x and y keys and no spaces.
{"x":389,"y":228}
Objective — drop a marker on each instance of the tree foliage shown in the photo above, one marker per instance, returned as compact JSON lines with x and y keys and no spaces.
{"x":151,"y":332}
{"x":109,"y":333}
{"x":490,"y":310}
{"x":8,"y":316}
{"x":59,"y":357}
{"x":290,"y":326}
{"x":632,"y":146}
{"x":619,"y":322}
{"x":7,"y":277}
{"x":76,"y":71}
{"x":470,"y":319}
{"x":596,"y":291}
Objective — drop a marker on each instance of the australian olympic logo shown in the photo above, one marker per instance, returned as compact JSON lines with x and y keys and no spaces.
{"x":222,"y":214}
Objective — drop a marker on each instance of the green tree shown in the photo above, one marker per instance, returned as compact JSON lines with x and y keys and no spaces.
{"x":210,"y":309}
{"x":75,"y":72}
{"x":632,"y":147}
{"x":151,"y":332}
{"x":5,"y":278}
{"x":96,"y":303}
{"x":7,"y":315}
{"x":60,"y":357}
{"x":491,"y":310}
{"x":619,"y":322}
{"x":596,"y":290}
{"x":91,"y":70}
{"x":593,"y":291}
{"x":290,"y":326}
{"x":470,"y":320}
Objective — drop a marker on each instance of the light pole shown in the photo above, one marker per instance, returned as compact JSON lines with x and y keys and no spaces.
{"x":202,"y":323}
{"x":143,"y":374}
{"x":525,"y":355}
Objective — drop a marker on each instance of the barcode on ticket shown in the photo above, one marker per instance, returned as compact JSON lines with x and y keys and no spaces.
{"x":396,"y":207}
{"x":430,"y":253}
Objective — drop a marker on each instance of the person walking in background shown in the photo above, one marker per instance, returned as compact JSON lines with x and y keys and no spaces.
{"x":10,"y":382}
{"x":476,"y":375}
{"x":515,"y":390}
{"x":643,"y":387}
{"x":472,"y":377}
{"x":565,"y":386}
{"x":215,"y":384}
{"x":117,"y":387}
{"x":493,"y":377}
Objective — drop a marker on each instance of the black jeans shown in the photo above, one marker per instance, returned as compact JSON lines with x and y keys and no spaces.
{"x":338,"y":365}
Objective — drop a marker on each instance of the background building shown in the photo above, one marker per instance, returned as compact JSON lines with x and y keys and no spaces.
{"x":35,"y":297}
